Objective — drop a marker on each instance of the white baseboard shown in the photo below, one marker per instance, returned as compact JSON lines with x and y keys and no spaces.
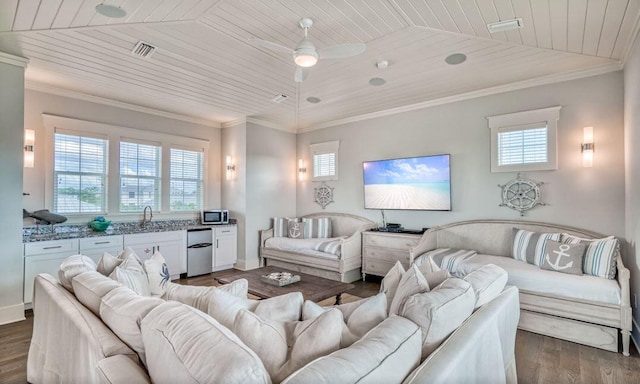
{"x":245,"y":265}
{"x":11,"y":314}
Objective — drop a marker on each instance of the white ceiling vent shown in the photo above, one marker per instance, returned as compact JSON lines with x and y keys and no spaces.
{"x":279,"y":98}
{"x":142,"y":49}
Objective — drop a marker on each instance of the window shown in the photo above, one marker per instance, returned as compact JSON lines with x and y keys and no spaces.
{"x":325,"y":160}
{"x":187,"y":179}
{"x":80,"y":173}
{"x":139,"y":176}
{"x":524,"y":141}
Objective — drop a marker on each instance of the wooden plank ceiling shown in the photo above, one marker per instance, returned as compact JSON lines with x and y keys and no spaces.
{"x":205,"y":67}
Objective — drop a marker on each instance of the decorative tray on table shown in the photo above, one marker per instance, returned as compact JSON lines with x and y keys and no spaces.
{"x":280,"y":278}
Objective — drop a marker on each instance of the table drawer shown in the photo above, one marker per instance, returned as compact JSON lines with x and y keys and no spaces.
{"x":395,"y":241}
{"x":390,"y":255}
{"x":379,"y":267}
{"x":69,"y":246}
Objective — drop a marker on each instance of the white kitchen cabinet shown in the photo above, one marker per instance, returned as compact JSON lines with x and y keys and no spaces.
{"x":44,"y":257}
{"x":225,"y":247}
{"x":172,"y":245}
{"x":94,"y":247}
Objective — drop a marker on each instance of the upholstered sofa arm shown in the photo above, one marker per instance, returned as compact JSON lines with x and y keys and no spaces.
{"x":192,"y":295}
{"x":352,"y":245}
{"x":120,"y":369}
{"x":264,"y":235}
{"x":428,"y":242}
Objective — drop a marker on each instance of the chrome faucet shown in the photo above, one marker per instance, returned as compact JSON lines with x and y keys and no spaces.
{"x":144,"y":215}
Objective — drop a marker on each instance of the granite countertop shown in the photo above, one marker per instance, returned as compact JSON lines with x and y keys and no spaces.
{"x":75,"y":231}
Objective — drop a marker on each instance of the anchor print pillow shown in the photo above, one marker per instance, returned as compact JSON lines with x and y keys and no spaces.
{"x":296,"y":229}
{"x":565,"y":258}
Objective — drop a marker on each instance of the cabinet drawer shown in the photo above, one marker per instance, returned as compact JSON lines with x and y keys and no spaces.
{"x":89,"y":243}
{"x":395,"y":241}
{"x":225,"y":231}
{"x":69,"y":246}
{"x":390,"y":255}
{"x":379,"y":267}
{"x":153,"y":237}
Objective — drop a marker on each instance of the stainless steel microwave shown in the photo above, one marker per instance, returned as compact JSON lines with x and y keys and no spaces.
{"x":215,"y":216}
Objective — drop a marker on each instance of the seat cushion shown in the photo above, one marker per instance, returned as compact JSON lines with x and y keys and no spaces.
{"x":90,"y":287}
{"x":73,"y":266}
{"x":198,"y":296}
{"x":186,"y":346}
{"x":487,"y":283}
{"x":530,"y":278}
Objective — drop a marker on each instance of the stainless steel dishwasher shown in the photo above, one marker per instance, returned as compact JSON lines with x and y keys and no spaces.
{"x":199,"y":252}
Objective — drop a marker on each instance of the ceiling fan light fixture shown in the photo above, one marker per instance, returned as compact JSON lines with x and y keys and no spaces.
{"x":306,"y":59}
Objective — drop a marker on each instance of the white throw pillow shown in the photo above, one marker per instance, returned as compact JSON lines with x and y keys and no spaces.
{"x":157,"y":274}
{"x":131,"y":274}
{"x":411,"y":283}
{"x":108,"y":263}
{"x":440,"y":311}
{"x":198,"y":296}
{"x":359,"y":317}
{"x":435,"y":278}
{"x":390,"y":282}
{"x":184,"y":345}
{"x":122,"y":310}
{"x":487,"y":283}
{"x":223,"y":306}
{"x":73,"y":266}
{"x":89,"y":288}
{"x":285,"y":347}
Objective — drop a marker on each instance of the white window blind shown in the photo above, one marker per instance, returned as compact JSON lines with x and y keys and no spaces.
{"x":523,"y":146}
{"x":139,"y":176}
{"x":187,"y":180}
{"x":325,"y":160}
{"x":80,"y":174}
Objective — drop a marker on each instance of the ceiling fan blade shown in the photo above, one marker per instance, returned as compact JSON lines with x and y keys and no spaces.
{"x":270,"y":45}
{"x":301,"y":74}
{"x":342,"y":50}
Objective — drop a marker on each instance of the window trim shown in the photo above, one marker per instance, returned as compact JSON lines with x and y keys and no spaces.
{"x":323,"y":149}
{"x":519,"y":121}
{"x":115,"y":134}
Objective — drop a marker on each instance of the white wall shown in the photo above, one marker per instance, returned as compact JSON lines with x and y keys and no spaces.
{"x":36,"y":103}
{"x":632,"y":161}
{"x":11,"y":155}
{"x":590,"y":198}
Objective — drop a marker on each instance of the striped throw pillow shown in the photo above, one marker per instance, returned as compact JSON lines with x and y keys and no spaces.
{"x":317,"y":228}
{"x":281,"y":226}
{"x":600,"y":256}
{"x":531,"y":247}
{"x":445,"y":259}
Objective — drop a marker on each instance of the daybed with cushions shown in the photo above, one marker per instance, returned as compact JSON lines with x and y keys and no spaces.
{"x":458,"y":330}
{"x":581,"y":295}
{"x":329,"y":246}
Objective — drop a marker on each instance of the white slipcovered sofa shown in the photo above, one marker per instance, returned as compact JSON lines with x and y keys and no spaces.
{"x":295,"y":254}
{"x":136,"y":339}
{"x":581,"y":308}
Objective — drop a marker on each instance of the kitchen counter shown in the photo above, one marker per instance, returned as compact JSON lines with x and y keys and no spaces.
{"x":74,"y":231}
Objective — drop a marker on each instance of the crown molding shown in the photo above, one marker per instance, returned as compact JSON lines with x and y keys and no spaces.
{"x":599,"y":70}
{"x":233,"y":123}
{"x":46,"y":88}
{"x":270,"y":124}
{"x":13,"y":60}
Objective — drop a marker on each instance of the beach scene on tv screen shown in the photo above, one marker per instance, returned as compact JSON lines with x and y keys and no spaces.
{"x":411,"y":183}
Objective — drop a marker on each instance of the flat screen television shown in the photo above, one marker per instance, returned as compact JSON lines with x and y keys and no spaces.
{"x":412,"y":183}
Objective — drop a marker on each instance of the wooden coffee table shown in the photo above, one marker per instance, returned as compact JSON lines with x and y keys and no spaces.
{"x":313,"y":288}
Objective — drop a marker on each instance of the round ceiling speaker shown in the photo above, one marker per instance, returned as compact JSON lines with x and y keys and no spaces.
{"x":110,"y":11}
{"x":456,"y":58}
{"x":377,"y":81}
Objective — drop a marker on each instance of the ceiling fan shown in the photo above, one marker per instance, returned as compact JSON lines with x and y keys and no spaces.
{"x":306,"y":55}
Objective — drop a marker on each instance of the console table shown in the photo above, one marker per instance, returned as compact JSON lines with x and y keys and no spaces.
{"x":381,"y":250}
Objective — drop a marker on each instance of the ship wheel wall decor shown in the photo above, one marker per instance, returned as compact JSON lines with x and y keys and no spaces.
{"x":323,"y":195}
{"x":521,"y":194}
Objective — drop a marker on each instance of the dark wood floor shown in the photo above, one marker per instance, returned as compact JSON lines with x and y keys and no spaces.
{"x":539,"y":359}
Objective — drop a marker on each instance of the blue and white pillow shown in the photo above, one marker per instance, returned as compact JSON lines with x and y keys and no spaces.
{"x":448,"y":259}
{"x":531,"y":247}
{"x":600,"y":256}
{"x":319,"y":227}
{"x":281,"y":226}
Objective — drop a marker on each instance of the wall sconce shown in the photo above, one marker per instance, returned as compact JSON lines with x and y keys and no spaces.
{"x":587,"y":147}
{"x":301,"y":170}
{"x":230,"y":167}
{"x":29,"y":141}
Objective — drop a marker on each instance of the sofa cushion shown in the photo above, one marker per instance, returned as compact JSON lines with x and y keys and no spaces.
{"x":198,"y":296}
{"x":440,"y":311}
{"x":530,"y":278}
{"x":73,"y":266}
{"x":304,"y":246}
{"x":186,"y":346}
{"x":387,"y":354}
{"x":390,"y":282}
{"x":317,"y":227}
{"x":564,"y":258}
{"x":412,"y":282}
{"x":157,"y":274}
{"x":600,"y":256}
{"x":224,"y":307}
{"x":359,"y":317}
{"x":487,"y":283}
{"x":122,"y":310}
{"x":530,"y":247}
{"x":131,"y":274}
{"x":284,"y":347}
{"x":90,"y":287}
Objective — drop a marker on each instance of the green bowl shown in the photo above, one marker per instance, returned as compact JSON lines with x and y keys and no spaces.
{"x":100,"y":226}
